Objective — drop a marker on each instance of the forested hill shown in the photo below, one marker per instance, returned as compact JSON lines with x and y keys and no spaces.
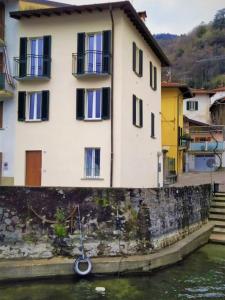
{"x":197,"y":58}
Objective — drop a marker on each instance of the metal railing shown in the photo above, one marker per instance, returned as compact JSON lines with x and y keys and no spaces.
{"x":30,"y":66}
{"x":207,"y":146}
{"x":91,"y":62}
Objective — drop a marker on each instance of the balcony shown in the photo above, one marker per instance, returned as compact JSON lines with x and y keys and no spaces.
{"x":32,"y":67}
{"x":207,"y":147}
{"x":5,"y":93}
{"x":91,"y":64}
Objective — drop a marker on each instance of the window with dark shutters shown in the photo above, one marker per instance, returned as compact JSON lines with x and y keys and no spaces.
{"x":152,"y":125}
{"x":151,"y":77}
{"x":187,"y":105}
{"x":80,"y":102}
{"x":140,"y":63}
{"x":23,"y":57}
{"x":45,"y":106}
{"x":137,"y":60}
{"x":134,"y":110}
{"x":141,"y":113}
{"x":105,"y":103}
{"x":47,"y":56}
{"x":155,"y":79}
{"x":80,"y":53}
{"x":196,"y":105}
{"x":134,"y":57}
{"x":106,"y":52}
{"x":21,"y":106}
{"x":137,"y":112}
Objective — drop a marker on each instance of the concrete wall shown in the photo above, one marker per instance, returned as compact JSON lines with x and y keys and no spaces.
{"x":135,"y":153}
{"x":114,"y":221}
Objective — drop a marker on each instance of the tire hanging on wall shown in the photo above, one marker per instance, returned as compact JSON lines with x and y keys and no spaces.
{"x":76,"y":266}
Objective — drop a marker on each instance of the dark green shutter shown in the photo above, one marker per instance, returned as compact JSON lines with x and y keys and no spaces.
{"x":155,"y":78}
{"x":196,"y":105}
{"x":151,"y":74}
{"x":80,"y":102}
{"x":140,"y":63}
{"x":23,"y":57}
{"x":134,"y":110}
{"x":45,"y":106}
{"x":21,"y":106}
{"x":106,"y":55}
{"x":152,"y":125}
{"x":141,"y":113}
{"x":134,"y":57}
{"x":47,"y":56}
{"x":188,"y":105}
{"x":80,"y":53}
{"x":105,"y":103}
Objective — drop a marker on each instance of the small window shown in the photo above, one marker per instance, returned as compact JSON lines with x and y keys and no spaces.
{"x":152,"y":125}
{"x":34,"y":106}
{"x":137,"y":60}
{"x":137,"y":112}
{"x":153,"y":76}
{"x":192,"y":105}
{"x":92,"y":162}
{"x":93,"y":105}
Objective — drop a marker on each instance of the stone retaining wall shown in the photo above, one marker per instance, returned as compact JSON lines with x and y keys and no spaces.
{"x":43,"y":222}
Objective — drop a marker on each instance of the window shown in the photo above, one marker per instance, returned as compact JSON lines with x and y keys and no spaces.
{"x":95,"y":53}
{"x":92,"y":162}
{"x":137,"y":112}
{"x":192,"y":105}
{"x":1,"y":115}
{"x":35,"y":59}
{"x":152,"y":125}
{"x":93,"y":104}
{"x":153,"y":77}
{"x":137,"y":60}
{"x":33,"y":106}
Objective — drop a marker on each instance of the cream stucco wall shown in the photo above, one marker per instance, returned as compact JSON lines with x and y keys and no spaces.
{"x":62,"y":139}
{"x":203,"y":113}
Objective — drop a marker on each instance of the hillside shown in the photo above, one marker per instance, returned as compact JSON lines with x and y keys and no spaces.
{"x":197,"y":58}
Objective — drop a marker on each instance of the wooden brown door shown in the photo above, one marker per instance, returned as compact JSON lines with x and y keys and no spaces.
{"x":33,"y":168}
{"x":0,"y":168}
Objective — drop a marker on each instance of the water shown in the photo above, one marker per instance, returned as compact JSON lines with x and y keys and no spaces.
{"x":200,"y":276}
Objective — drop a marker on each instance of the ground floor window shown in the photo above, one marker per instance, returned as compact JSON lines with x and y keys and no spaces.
{"x":92,"y":162}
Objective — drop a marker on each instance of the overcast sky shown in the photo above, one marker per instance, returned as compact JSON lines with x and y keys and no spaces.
{"x":173,"y":16}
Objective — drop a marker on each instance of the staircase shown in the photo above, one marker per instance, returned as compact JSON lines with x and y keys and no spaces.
{"x":217,"y":216}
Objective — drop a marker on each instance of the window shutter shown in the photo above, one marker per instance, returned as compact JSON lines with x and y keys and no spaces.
{"x":140,"y":63}
{"x":152,"y":125}
{"x":80,"y":53}
{"x":155,"y":78}
{"x":151,"y":74}
{"x":134,"y":57}
{"x":188,"y":105}
{"x":141,"y":113}
{"x":105,"y":103}
{"x":45,"y":106}
{"x":134,"y":110}
{"x":23,"y":57}
{"x":196,"y":105}
{"x":47,"y":55}
{"x":80,"y":104}
{"x":21,"y":106}
{"x":106,"y":55}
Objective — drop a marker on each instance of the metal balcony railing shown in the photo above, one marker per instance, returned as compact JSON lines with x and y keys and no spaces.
{"x":207,"y":146}
{"x":91,"y":63}
{"x":32,"y":66}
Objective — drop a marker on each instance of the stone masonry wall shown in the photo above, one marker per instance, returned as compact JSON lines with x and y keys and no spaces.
{"x":44,"y":222}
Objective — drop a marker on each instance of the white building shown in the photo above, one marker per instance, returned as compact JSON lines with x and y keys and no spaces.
{"x":99,"y":126}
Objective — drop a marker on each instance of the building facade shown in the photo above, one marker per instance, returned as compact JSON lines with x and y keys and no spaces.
{"x":99,"y":125}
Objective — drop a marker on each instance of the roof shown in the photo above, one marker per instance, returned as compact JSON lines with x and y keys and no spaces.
{"x":126,"y":6}
{"x":219,"y":89}
{"x":202,"y":92}
{"x":185,"y":90}
{"x":195,"y":122}
{"x":217,"y":102}
{"x":47,"y":2}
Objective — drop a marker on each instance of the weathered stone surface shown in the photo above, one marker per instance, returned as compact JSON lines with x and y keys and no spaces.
{"x":114,"y":221}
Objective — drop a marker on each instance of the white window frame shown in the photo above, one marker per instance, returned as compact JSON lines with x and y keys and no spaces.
{"x":29,"y":71}
{"x":95,"y":49}
{"x":93,"y":118}
{"x":138,"y":119}
{"x":92,"y":176}
{"x":35,"y":119}
{"x":137,"y":60}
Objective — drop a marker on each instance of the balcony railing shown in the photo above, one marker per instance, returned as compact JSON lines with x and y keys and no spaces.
{"x":91,"y":63}
{"x":207,"y":146}
{"x":32,"y":67}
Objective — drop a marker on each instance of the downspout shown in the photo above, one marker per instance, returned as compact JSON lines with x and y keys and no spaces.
{"x":111,"y":102}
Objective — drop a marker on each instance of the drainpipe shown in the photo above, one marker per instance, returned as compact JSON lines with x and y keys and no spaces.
{"x":111,"y":106}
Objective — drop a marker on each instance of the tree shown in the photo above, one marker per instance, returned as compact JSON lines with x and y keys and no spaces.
{"x":219,"y":19}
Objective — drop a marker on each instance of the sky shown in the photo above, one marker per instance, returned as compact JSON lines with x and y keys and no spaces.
{"x":171,"y":16}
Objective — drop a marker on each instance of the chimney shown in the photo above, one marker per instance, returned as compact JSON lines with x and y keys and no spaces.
{"x":142,"y":15}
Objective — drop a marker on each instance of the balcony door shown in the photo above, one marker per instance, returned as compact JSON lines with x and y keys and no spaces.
{"x":94,"y":53}
{"x":35,"y":61}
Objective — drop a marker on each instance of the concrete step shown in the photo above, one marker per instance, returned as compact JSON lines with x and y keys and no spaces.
{"x":219,"y":199}
{"x":218,"y":204}
{"x":219,"y":194}
{"x":220,"y":230}
{"x":219,"y":224}
{"x":217,"y":210}
{"x":217,"y":238}
{"x":217,"y":217}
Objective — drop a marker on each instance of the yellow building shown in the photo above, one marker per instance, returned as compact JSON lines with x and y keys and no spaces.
{"x":38,"y":4}
{"x":173,"y":95}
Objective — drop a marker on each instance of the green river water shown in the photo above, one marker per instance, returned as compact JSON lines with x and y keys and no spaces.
{"x":200,"y":276}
